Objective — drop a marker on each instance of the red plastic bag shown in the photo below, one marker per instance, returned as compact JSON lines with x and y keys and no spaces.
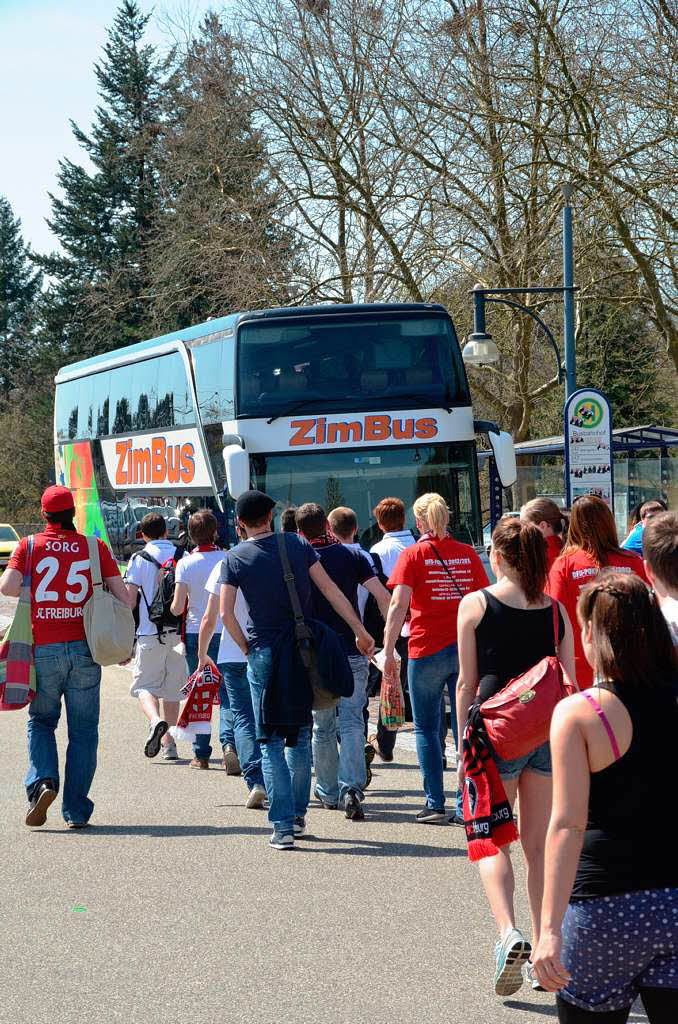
{"x":392,"y":702}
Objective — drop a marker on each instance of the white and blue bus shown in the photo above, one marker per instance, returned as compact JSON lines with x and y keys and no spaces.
{"x":342,"y":405}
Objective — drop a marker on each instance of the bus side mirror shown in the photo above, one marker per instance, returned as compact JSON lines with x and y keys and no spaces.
{"x":237,"y":463}
{"x":504,"y":457}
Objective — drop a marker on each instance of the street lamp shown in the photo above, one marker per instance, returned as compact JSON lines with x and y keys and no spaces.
{"x":480,"y":349}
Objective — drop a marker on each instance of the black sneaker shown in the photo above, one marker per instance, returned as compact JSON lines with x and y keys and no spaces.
{"x":44,"y":794}
{"x":431,"y":816}
{"x":353,"y":808}
{"x":299,"y":827}
{"x":368,"y":776}
{"x":155,"y":734}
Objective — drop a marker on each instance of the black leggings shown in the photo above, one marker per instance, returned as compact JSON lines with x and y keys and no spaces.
{"x":661,"y":1007}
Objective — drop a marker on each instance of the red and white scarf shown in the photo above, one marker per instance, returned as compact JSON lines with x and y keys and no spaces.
{"x":488,"y":818}
{"x":202,"y":692}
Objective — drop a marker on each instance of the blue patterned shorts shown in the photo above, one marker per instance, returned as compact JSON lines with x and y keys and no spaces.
{"x":538,"y":760}
{"x":615,"y":945}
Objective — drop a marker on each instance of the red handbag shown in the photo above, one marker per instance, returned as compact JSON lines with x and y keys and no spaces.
{"x":518,"y":718}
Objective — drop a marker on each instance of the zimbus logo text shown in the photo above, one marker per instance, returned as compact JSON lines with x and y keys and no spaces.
{"x":154,"y":462}
{"x":372,"y":428}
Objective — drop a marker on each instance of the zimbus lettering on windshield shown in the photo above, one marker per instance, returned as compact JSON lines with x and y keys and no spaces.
{"x":336,"y":404}
{"x":154,"y":462}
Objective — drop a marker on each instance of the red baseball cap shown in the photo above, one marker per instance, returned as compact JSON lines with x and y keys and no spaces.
{"x":56,"y":499}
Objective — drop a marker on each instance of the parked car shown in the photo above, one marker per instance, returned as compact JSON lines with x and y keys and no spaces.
{"x":9,"y":539}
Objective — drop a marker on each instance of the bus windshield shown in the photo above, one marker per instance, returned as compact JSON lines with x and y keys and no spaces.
{"x":361,"y":362}
{"x":360,"y":479}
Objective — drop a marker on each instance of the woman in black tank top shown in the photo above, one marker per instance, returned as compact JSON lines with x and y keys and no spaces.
{"x":503,"y":631}
{"x":610,"y":848}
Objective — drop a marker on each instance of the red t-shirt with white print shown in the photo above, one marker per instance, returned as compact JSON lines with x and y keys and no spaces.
{"x":61,"y":582}
{"x":568,"y":576}
{"x":436,"y":591}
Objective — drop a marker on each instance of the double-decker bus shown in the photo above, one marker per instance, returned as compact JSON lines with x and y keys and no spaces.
{"x":342,"y":405}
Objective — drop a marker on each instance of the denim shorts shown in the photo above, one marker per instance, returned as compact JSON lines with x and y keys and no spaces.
{"x":538,"y":761}
{"x":615,"y":945}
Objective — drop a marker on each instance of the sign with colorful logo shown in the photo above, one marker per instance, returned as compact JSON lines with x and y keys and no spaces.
{"x":588,"y":446}
{"x":353,"y":430}
{"x":158,"y":462}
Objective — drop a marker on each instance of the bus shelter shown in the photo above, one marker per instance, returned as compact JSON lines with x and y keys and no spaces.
{"x":645,"y":461}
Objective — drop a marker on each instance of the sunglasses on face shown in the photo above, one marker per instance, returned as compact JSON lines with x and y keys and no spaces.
{"x":649,"y":512}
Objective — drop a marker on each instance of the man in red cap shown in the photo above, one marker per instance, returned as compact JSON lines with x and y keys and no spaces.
{"x":61,"y":584}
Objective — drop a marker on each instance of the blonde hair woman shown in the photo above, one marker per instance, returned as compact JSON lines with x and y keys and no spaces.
{"x":429,"y":580}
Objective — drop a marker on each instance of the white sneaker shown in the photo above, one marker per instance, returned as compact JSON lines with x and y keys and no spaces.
{"x":532,"y":978}
{"x":257,"y":797}
{"x":169,"y":752}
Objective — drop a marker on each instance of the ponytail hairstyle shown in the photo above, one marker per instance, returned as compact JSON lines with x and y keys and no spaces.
{"x":523,"y":549}
{"x":632,"y":644}
{"x":543,"y":510}
{"x":432,"y":510}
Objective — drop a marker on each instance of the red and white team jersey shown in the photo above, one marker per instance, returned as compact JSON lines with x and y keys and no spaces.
{"x":437,"y":589}
{"x":61,"y":582}
{"x":568,"y":576}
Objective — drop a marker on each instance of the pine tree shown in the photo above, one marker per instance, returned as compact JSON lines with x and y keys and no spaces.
{"x":104,"y":219}
{"x":19,"y":287}
{"x":620,"y":353}
{"x":219,"y":245}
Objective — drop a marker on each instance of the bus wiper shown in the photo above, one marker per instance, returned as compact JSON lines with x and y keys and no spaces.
{"x":301,"y":404}
{"x":424,"y":402}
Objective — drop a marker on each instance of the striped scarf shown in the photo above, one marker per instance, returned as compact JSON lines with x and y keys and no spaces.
{"x":488,"y":818}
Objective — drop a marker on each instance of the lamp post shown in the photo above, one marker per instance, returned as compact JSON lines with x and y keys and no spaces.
{"x":568,"y":294}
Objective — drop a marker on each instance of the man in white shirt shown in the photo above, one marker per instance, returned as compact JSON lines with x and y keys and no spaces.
{"x":158,"y":669}
{"x":344,"y":524}
{"x":190,"y":596}
{"x":235,"y":690}
{"x":660,"y":551}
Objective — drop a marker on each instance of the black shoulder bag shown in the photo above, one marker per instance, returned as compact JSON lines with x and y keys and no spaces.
{"x":322,"y":698}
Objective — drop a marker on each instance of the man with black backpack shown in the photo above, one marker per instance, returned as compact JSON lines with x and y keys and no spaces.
{"x":159,"y":669}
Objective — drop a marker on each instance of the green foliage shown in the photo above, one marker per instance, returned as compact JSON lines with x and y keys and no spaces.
{"x":217,"y":244}
{"x":19,"y":288}
{"x":104,"y":219}
{"x":620,"y":353}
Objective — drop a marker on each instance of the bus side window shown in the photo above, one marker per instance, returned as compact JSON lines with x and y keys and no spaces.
{"x":121,"y":391}
{"x":67,"y":409}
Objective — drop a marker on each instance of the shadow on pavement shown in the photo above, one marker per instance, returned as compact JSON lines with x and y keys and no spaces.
{"x":374,"y":848}
{"x":545,"y":1011}
{"x":167,"y":831}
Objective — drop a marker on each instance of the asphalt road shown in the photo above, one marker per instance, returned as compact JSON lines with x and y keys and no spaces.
{"x":173,"y":908}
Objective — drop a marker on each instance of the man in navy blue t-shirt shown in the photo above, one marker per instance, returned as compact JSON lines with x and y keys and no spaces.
{"x":255,"y":568}
{"x":340,"y":776}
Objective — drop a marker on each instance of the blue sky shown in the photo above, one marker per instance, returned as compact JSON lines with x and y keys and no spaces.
{"x":47,"y":52}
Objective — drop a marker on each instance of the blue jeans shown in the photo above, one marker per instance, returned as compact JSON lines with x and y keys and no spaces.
{"x":65,"y":670}
{"x":287,"y":770}
{"x":239,"y":697}
{"x":201,"y":744}
{"x":340,"y":772}
{"x":427,"y":678}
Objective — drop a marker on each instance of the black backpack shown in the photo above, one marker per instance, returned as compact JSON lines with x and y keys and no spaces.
{"x":159,"y":607}
{"x":372,"y":618}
